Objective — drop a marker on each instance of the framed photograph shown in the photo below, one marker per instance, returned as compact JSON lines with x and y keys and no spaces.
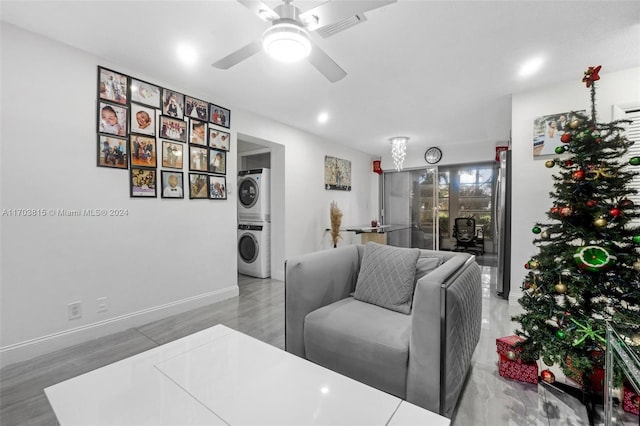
{"x":112,"y":86}
{"x":143,"y":151}
{"x":198,"y":158}
{"x":143,"y":182}
{"x":145,"y":93}
{"x":548,"y":129}
{"x":171,"y":128}
{"x":112,"y":152}
{"x":219,"y":139}
{"x":172,"y":184}
{"x":219,"y":116}
{"x":217,"y":161}
{"x":337,"y":174}
{"x":143,"y":120}
{"x":112,"y":119}
{"x":198,"y":132}
{"x":217,"y":187}
{"x":198,"y":185}
{"x":195,"y":108}
{"x":172,"y":155}
{"x":172,"y":104}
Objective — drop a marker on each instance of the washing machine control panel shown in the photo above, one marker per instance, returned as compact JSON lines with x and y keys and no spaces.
{"x":246,"y":227}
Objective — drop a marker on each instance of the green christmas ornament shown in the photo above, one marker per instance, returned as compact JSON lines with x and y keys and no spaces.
{"x":536,"y":230}
{"x":560,"y":334}
{"x":634,"y":161}
{"x":636,"y":239}
{"x":560,"y":150}
{"x":594,"y":258}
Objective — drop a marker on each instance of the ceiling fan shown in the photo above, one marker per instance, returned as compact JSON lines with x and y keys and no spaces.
{"x":288,"y":37}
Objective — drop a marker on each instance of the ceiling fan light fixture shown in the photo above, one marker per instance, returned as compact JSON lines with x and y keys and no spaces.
{"x":399,"y":150}
{"x":286,"y":42}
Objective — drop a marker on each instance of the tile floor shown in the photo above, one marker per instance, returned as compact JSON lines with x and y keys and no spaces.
{"x":487,"y":398}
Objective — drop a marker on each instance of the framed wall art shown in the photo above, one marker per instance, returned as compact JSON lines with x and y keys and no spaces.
{"x":143,"y":151}
{"x":145,"y":93}
{"x":219,"y":116}
{"x":172,"y":128}
{"x":198,"y":132}
{"x":217,"y":187}
{"x":172,"y":184}
{"x":172,"y":155}
{"x":112,"y":119}
{"x":337,"y":174}
{"x":195,"y":108}
{"x":172,"y":104}
{"x":112,"y":86}
{"x":143,"y":119}
{"x":198,"y":158}
{"x":142,"y":182}
{"x":218,"y":161}
{"x":548,"y":129}
{"x":112,"y":152}
{"x":198,"y":186}
{"x":219,"y":139}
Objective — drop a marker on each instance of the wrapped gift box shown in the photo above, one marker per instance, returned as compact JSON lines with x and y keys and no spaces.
{"x":630,"y":401}
{"x":597,"y":377}
{"x":515,"y":368}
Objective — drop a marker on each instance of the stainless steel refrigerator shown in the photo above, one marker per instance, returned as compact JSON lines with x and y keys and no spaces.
{"x":503,"y":228}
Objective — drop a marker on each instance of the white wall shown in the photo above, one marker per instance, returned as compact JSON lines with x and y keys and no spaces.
{"x":165,"y":256}
{"x":532,"y":181}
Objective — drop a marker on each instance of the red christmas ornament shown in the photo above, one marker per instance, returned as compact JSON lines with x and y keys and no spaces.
{"x":554,"y":210}
{"x":548,"y":376}
{"x":566,"y":138}
{"x":615,"y":212}
{"x":568,"y":163}
{"x":591,"y":203}
{"x":566,"y":211}
{"x":591,"y":75}
{"x":578,"y":175}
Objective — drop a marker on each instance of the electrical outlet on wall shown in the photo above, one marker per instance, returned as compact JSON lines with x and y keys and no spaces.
{"x":101,"y":302}
{"x":74,"y":310}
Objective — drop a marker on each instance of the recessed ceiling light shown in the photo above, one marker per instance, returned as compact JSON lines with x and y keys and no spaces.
{"x":323,"y":117}
{"x":531,"y":67}
{"x":187,"y":54}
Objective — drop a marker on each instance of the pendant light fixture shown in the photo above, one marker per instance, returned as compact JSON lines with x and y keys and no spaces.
{"x":399,"y":150}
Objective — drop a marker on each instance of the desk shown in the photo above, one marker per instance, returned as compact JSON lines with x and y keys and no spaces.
{"x":376,"y":234}
{"x":220,"y":376}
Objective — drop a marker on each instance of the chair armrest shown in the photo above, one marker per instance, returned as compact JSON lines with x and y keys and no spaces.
{"x":314,"y":280}
{"x":445,"y":329}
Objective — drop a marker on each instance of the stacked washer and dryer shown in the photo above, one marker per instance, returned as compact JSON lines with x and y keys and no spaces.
{"x":254,"y":223}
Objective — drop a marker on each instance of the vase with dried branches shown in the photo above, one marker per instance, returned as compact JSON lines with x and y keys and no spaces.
{"x":336,"y":220}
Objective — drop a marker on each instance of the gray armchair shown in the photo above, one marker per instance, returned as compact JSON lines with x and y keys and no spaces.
{"x":422,"y":357}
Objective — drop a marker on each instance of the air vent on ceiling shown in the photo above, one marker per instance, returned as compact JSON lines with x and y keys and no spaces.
{"x":330,"y":30}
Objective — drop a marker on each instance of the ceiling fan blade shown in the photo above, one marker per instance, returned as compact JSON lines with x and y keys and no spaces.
{"x":333,"y":12}
{"x":326,"y":65}
{"x":239,"y":55}
{"x":260,"y":9}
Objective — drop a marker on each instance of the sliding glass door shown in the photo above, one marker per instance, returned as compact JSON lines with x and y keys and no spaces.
{"x":409,"y":200}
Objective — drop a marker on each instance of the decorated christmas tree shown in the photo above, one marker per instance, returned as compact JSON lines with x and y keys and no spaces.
{"x":587,"y":268}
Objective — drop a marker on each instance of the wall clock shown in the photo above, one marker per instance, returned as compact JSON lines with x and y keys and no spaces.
{"x":433,"y":155}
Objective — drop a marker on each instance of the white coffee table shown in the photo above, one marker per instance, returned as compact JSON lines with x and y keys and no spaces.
{"x":222,"y":377}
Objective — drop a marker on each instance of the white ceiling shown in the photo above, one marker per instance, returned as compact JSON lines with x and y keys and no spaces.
{"x":441,"y":72}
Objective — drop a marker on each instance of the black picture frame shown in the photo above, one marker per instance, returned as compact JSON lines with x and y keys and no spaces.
{"x":217,"y":161}
{"x":219,"y":139}
{"x":145,"y":93}
{"x":196,"y":108}
{"x":106,"y":113}
{"x":172,"y":128}
{"x":113,"y":86}
{"x":142,"y":119}
{"x":143,"y":182}
{"x":143,"y":151}
{"x":219,"y":116}
{"x":217,"y":187}
{"x":198,"y":132}
{"x":172,"y":155}
{"x":172,"y":104}
{"x":172,"y":188}
{"x":198,"y":186}
{"x":114,"y":153}
{"x":198,"y":158}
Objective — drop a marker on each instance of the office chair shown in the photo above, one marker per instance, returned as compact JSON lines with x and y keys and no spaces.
{"x":464,"y":231}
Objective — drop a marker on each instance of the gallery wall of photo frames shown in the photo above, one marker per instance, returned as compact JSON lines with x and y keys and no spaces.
{"x":142,"y":126}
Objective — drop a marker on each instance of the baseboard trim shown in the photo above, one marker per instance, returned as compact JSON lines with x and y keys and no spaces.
{"x":32,"y":348}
